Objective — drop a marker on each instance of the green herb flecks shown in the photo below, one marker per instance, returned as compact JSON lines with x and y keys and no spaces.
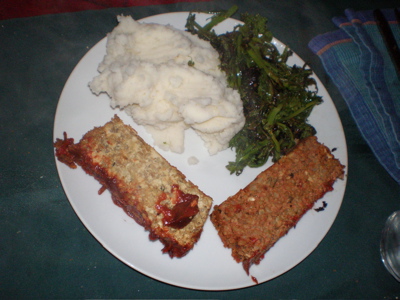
{"x":277,"y":98}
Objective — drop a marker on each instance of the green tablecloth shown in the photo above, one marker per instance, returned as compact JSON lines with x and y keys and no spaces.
{"x":46,"y":252}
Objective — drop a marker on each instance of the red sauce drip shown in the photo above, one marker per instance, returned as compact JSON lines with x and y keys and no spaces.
{"x":182,"y":212}
{"x":62,"y":152}
{"x":254,"y":279}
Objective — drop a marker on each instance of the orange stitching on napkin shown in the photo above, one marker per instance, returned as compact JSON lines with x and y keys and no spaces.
{"x":360,"y":22}
{"x":345,"y":24}
{"x":333,"y":44}
{"x":356,"y":21}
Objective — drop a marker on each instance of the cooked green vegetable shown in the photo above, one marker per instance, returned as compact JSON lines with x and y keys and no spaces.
{"x":276,"y":97}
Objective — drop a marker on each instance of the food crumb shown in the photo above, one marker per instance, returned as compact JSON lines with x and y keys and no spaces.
{"x":193,"y":160}
{"x":322,"y":208}
{"x":254,"y":279}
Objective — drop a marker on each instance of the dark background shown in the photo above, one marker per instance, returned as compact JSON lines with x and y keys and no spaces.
{"x":46,"y":252}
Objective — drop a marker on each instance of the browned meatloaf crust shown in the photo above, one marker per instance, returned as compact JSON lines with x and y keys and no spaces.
{"x":254,"y":219}
{"x":142,"y":182}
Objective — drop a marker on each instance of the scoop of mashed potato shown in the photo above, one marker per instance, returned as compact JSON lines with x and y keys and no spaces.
{"x":169,"y":80}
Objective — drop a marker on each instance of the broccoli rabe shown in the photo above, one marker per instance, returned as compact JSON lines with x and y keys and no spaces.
{"x":277,"y":98}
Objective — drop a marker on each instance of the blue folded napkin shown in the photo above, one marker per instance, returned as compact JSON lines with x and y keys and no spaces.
{"x":356,"y":59}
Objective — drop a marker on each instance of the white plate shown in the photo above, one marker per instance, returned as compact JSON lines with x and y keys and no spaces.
{"x":209,"y":266}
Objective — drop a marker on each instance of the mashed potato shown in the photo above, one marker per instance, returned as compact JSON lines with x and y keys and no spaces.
{"x":168,"y":81}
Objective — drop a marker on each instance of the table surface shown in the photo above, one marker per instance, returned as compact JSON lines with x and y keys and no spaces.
{"x":46,"y":252}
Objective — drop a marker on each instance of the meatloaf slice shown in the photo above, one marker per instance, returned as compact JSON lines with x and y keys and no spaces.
{"x":142,"y":182}
{"x":254,"y":219}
